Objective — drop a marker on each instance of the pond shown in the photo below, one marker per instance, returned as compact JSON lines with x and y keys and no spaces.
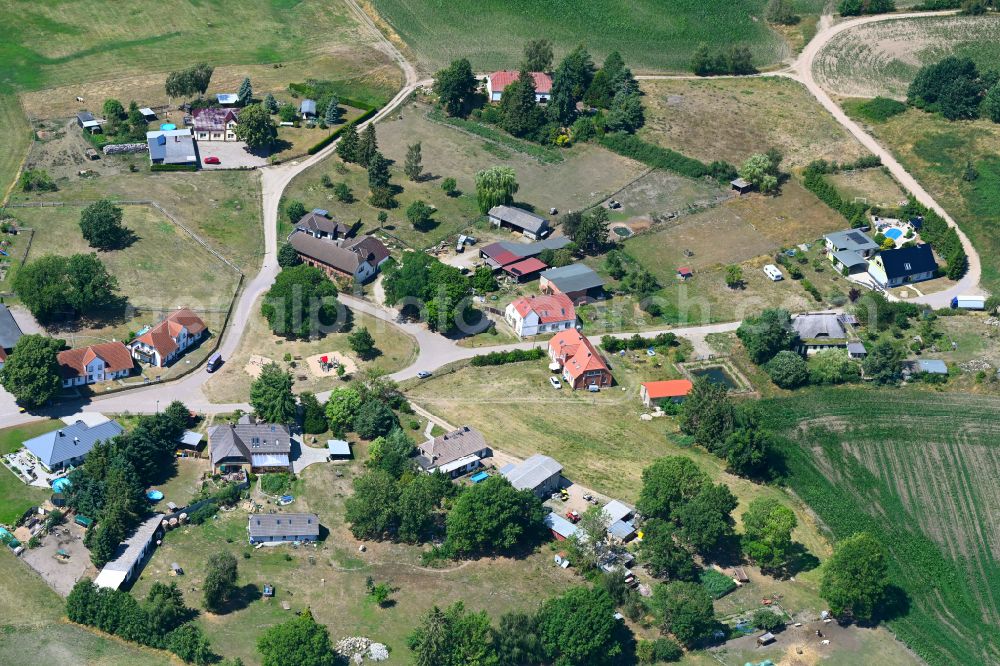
{"x":621,"y":232}
{"x":716,"y":374}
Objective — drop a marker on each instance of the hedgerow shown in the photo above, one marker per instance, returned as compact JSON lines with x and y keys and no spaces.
{"x":614,"y":345}
{"x":652,"y":155}
{"x":503,"y":358}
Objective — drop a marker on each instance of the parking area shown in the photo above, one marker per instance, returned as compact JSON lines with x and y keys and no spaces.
{"x":61,"y":559}
{"x":231,"y":154}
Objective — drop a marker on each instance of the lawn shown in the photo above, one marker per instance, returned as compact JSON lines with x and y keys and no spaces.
{"x":930,"y":499}
{"x":17,"y":136}
{"x":874,"y":186}
{"x":650,"y":35}
{"x":729,"y":119}
{"x":15,"y":496}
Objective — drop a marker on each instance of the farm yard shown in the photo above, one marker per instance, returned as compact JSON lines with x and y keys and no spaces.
{"x":729,"y":119}
{"x":882,"y":58}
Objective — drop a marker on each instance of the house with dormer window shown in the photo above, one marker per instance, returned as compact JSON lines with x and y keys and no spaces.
{"x":167,"y":341}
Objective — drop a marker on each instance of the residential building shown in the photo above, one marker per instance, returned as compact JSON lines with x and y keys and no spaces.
{"x":850,"y":250}
{"x":577,"y":281}
{"x":819,"y":330}
{"x":87,"y":121}
{"x":97,"y":363}
{"x":282,"y":527}
{"x":582,"y":366}
{"x":258,"y":447}
{"x":171,"y":147}
{"x":856,"y":350}
{"x":67,"y":446}
{"x":674,"y":390}
{"x":131,"y":555}
{"x":357,"y":258}
{"x":498,"y":81}
{"x":892,"y":268}
{"x":10,"y":333}
{"x":215,"y":124}
{"x":307,"y":109}
{"x":531,"y":315}
{"x":318,"y":224}
{"x":454,"y":453}
{"x":167,"y":341}
{"x":540,"y":474}
{"x":530,"y":225}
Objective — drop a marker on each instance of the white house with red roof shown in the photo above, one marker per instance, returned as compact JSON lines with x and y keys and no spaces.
{"x":497,"y":81}
{"x":97,"y":363}
{"x":164,"y":343}
{"x":582,"y":366}
{"x":531,"y":315}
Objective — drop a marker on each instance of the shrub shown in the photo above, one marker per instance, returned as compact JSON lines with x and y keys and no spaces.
{"x":652,"y":155}
{"x":37,"y":180}
{"x":767,"y":620}
{"x":503,"y":358}
{"x":203,"y":513}
{"x":275,"y":483}
{"x":880,"y":109}
{"x":614,"y":345}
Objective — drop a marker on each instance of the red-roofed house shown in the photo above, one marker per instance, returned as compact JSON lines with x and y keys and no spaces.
{"x":525,"y":269}
{"x":674,"y":390}
{"x":531,"y":315}
{"x":582,"y":366}
{"x":497,"y":81}
{"x":164,"y":343}
{"x":97,"y":363}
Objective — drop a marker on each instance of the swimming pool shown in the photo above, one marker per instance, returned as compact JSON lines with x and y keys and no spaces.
{"x":154,"y":495}
{"x":893,"y":233}
{"x":60,"y":485}
{"x":716,"y":375}
{"x":166,"y":127}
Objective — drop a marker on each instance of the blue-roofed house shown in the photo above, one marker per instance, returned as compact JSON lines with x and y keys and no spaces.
{"x":68,"y":445}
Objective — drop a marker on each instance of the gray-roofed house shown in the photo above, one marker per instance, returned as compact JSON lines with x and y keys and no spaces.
{"x":319,"y":225}
{"x":171,"y":147}
{"x":357,"y":258}
{"x":540,"y":474}
{"x":307,"y":109}
{"x":577,"y":281}
{"x":10,"y":333}
{"x":131,"y":555}
{"x":819,"y":330}
{"x":530,"y":225}
{"x":621,"y":525}
{"x":282,"y":527}
{"x":454,"y":453}
{"x":856,"y":350}
{"x":850,"y":250}
{"x":250,"y":445}
{"x":68,"y":445}
{"x":561,"y":528}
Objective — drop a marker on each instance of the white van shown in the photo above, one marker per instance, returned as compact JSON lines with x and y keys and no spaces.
{"x":773,"y":272}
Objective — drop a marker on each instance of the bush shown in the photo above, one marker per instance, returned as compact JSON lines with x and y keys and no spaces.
{"x":203,"y":513}
{"x":614,"y":345}
{"x":37,"y":180}
{"x":503,"y":358}
{"x":767,"y":620}
{"x":880,"y":109}
{"x":716,"y":583}
{"x":173,"y":167}
{"x":652,"y":155}
{"x":320,"y":145}
{"x":666,"y":649}
{"x":275,"y":483}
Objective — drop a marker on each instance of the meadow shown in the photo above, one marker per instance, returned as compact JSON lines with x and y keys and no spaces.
{"x":15,"y":496}
{"x":931,"y":500}
{"x":651,"y":35}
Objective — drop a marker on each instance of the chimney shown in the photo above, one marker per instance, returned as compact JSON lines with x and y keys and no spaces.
{"x":62,"y":434}
{"x":76,"y":440}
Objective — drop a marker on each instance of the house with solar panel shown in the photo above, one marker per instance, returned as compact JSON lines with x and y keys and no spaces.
{"x":850,"y":251}
{"x":171,"y":147}
{"x":251,"y":446}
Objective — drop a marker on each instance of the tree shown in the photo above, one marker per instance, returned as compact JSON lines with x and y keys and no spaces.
{"x":190,"y":644}
{"x":685,"y":610}
{"x":708,"y":415}
{"x":579,"y":627}
{"x":419,"y":214}
{"x":492,"y":517}
{"x":256,"y":127}
{"x":517,"y":641}
{"x":952,"y":86}
{"x":538,"y":55}
{"x":758,"y":170}
{"x":113,"y":110}
{"x":767,"y":334}
{"x":668,"y":484}
{"x":347,"y":148}
{"x":882,"y":364}
{"x":590,"y":232}
{"x":220,"y":580}
{"x":484,"y":279}
{"x":333,"y":111}
{"x":107,"y":535}
{"x":519,"y":112}
{"x":626,"y":114}
{"x":341,"y":408}
{"x":453,"y":637}
{"x":343,"y":193}
{"x":58,"y":288}
{"x":372,"y":510}
{"x":747,"y":450}
{"x":706,"y":523}
{"x":378,"y":172}
{"x":456,"y":87}
{"x":767,"y":538}
{"x":449,"y":186}
{"x":855,"y":578}
{"x":313,"y":416}
{"x":101,"y":226}
{"x":832,"y":366}
{"x":367,"y":147}
{"x":702,"y":62}
{"x":495,"y":186}
{"x":189,"y":82}
{"x":271,"y":395}
{"x":418,"y":501}
{"x":270,"y":104}
{"x":570,"y":82}
{"x":663,"y":556}
{"x":788,"y":369}
{"x":288,"y":256}
{"x":362,"y":343}
{"x":295,"y":211}
{"x":300,"y":641}
{"x":32,"y":372}
{"x":412,"y":167}
{"x":734,"y":276}
{"x":245,"y":94}
{"x":767,"y":620}
{"x":300,"y":302}
{"x":374,"y":419}
{"x":781,"y":12}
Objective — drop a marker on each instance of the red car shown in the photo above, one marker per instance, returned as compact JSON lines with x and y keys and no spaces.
{"x":211,"y":159}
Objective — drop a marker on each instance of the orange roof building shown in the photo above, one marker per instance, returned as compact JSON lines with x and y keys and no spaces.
{"x":582,"y":366}
{"x":97,"y":363}
{"x":164,"y":343}
{"x":531,"y":315}
{"x":671,"y":389}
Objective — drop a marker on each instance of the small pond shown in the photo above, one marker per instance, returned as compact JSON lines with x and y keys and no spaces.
{"x":716,"y":374}
{"x":621,"y":232}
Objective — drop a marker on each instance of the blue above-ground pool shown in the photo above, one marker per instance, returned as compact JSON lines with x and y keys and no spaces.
{"x":893,"y":233}
{"x":479,"y":476}
{"x":154,"y":495}
{"x":60,"y":485}
{"x":168,"y":126}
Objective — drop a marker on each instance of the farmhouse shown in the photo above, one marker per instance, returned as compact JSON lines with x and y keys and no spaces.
{"x":282,"y":527}
{"x":531,"y":315}
{"x":127,"y":565}
{"x":167,"y":341}
{"x":96,"y":363}
{"x":87,"y":121}
{"x":67,"y":446}
{"x":540,"y":474}
{"x":530,"y":225}
{"x":582,"y":366}
{"x":171,"y":147}
{"x":576,"y":281}
{"x":358,"y":258}
{"x":454,"y":453}
{"x":319,"y":225}
{"x":307,"y":109}
{"x":819,"y":330}
{"x":250,"y":445}
{"x":215,"y":124}
{"x":10,"y":333}
{"x":498,"y":81}
{"x":850,"y":250}
{"x":892,"y":268}
{"x":674,"y":390}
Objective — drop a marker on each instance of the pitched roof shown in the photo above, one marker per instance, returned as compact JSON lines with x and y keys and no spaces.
{"x":908,"y":261}
{"x":851,"y":239}
{"x":451,"y":446}
{"x":819,"y":325}
{"x":573,"y":278}
{"x":326,"y":252}
{"x":117,"y":570}
{"x":549,"y":308}
{"x":73,"y":362}
{"x":283,"y":525}
{"x":501,"y":254}
{"x":368,"y":248}
{"x":532,"y":472}
{"x":316,"y":221}
{"x":10,"y":332}
{"x":308,"y":106}
{"x":849,"y":258}
{"x":856,"y":348}
{"x":247,"y":439}
{"x":227,"y":98}
{"x":162,"y":337}
{"x":503,"y":78}
{"x":670,"y":388}
{"x":578,"y":353}
{"x":525,"y":267}
{"x":505,"y":252}
{"x":519,"y":218}
{"x":72,"y":441}
{"x":559,"y":525}
{"x":171,"y":146}
{"x":616,"y":511}
{"x":213,"y":120}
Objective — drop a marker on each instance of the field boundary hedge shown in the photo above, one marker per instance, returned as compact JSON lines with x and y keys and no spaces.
{"x":326,"y":141}
{"x":505,"y":357}
{"x":629,"y":145}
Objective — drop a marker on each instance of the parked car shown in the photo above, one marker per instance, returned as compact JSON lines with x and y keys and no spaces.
{"x":556,"y":384}
{"x":214,"y":361}
{"x":573,"y":516}
{"x":212,"y":159}
{"x":424,"y":374}
{"x":594,"y":388}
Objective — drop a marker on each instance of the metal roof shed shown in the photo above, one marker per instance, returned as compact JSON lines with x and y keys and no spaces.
{"x":338,"y":447}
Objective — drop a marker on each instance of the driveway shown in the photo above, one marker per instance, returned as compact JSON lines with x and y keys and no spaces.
{"x":303,"y":456}
{"x":231,"y":154}
{"x":25,"y":320}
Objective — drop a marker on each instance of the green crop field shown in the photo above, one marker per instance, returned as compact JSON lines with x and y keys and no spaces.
{"x":919,"y":470}
{"x":651,"y":34}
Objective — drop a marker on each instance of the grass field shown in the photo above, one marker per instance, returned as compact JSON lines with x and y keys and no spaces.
{"x":930,"y":499}
{"x":729,"y":119}
{"x":873,"y":185}
{"x":650,"y":35}
{"x":15,"y":496}
{"x":882,"y":58}
{"x":17,"y":134}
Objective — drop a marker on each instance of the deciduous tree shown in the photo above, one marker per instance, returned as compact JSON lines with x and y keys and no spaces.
{"x":58,"y":288}
{"x":32,"y":372}
{"x":855,"y":579}
{"x":767,"y":538}
{"x":492,"y":517}
{"x":579,"y":627}
{"x":101,"y":226}
{"x":300,"y":641}
{"x":300,"y":303}
{"x":456,"y":87}
{"x":256,"y":127}
{"x":663,"y":556}
{"x":372,"y":510}
{"x":788,"y":369}
{"x":767,"y":334}
{"x":685,"y":610}
{"x":495,"y":186}
{"x":668,"y":484}
{"x":220,"y":579}
{"x":288,"y":256}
